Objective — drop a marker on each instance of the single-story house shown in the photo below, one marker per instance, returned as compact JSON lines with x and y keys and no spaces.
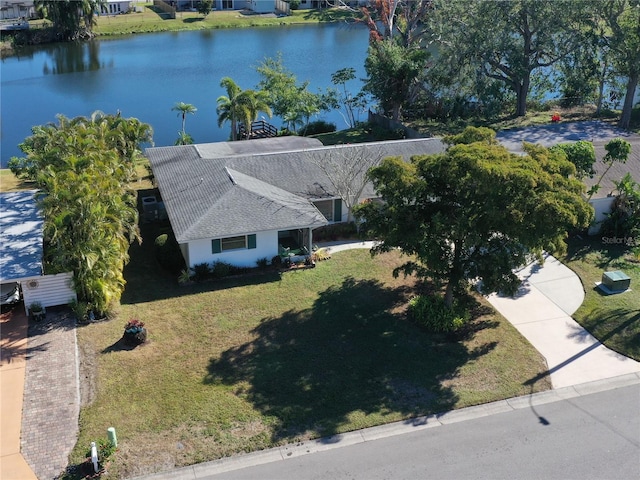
{"x":21,"y":252}
{"x":239,"y":202}
{"x":15,"y":9}
{"x":115,"y":7}
{"x":602,"y":201}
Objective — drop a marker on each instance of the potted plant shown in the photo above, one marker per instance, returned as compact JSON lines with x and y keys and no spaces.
{"x":134,"y":332}
{"x":37,"y":311}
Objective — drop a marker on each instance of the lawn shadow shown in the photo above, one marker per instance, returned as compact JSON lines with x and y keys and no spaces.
{"x":348,"y":355}
{"x":606,"y":326}
{"x":119,"y":346}
{"x":158,"y":11}
{"x":578,"y":248}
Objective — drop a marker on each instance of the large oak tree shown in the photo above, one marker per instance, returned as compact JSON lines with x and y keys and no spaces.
{"x":475,"y":212}
{"x":509,"y":40}
{"x":622,"y":17}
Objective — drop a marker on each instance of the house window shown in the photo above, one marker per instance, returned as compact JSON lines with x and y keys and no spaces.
{"x":227,"y":4}
{"x":330,"y":209}
{"x":326,"y":208}
{"x":234,"y":243}
{"x":241,"y":242}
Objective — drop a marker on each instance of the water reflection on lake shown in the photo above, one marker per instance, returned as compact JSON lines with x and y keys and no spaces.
{"x":143,"y":76}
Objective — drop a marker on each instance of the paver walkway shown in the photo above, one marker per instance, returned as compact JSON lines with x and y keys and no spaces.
{"x":52,"y":394}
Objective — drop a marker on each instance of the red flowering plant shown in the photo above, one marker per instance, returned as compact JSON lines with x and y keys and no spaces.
{"x":134,"y":332}
{"x":134,"y":326}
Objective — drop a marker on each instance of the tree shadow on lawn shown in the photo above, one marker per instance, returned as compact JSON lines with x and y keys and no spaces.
{"x":606,"y":325}
{"x":607,"y":254}
{"x":311,"y":370}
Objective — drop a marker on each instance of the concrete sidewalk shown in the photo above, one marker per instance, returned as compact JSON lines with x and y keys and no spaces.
{"x":39,"y":394}
{"x":13,"y":361}
{"x":541,"y":311}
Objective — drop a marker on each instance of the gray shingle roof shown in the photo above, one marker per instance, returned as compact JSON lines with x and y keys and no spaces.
{"x":617,"y":171}
{"x":232,"y":188}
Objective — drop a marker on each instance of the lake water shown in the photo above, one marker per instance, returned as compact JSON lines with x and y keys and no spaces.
{"x":143,"y":76}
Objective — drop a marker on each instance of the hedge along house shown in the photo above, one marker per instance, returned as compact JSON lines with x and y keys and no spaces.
{"x":239,"y":202}
{"x":21,"y":252}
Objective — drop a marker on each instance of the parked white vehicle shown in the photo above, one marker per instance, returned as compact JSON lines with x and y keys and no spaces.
{"x":9,"y":293}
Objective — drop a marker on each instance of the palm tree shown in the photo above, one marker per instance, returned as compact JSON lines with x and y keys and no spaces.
{"x":183,"y":109}
{"x":254,"y":102}
{"x":72,"y":19}
{"x":240,"y":106}
{"x":184,"y":139}
{"x":229,"y":108}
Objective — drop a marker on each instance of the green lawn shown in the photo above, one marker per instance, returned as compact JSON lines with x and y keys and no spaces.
{"x":612,"y":319}
{"x":9,"y":182}
{"x":250,"y":363}
{"x":154,"y":20}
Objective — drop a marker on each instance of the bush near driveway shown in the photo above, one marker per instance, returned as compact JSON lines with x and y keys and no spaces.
{"x":246,"y":364}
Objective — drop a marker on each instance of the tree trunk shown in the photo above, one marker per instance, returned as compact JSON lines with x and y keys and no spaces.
{"x":234,"y":129}
{"x":522,"y":91}
{"x":448,"y":295}
{"x":625,"y":118}
{"x":455,"y":275}
{"x":601,"y":81}
{"x":395,"y":114}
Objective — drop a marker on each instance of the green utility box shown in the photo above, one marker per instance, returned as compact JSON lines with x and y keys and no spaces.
{"x":616,"y":281}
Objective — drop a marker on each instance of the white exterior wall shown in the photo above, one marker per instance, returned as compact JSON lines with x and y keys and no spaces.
{"x":17,"y":8}
{"x":199,"y":251}
{"x":602,"y":207}
{"x":115,"y":7}
{"x":258,"y":6}
{"x":49,"y":290}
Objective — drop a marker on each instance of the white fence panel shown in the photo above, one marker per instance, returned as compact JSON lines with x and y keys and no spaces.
{"x":49,"y":290}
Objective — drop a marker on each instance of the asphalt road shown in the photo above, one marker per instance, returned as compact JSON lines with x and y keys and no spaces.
{"x":595,"y":436}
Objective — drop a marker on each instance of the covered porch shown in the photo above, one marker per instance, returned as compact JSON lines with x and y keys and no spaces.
{"x":295,"y":245}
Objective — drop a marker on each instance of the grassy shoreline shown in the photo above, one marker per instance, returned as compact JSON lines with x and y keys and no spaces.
{"x":152,"y":20}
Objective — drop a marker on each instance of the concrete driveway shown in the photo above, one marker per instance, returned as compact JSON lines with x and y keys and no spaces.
{"x":554,"y":133}
{"x":541,"y":311}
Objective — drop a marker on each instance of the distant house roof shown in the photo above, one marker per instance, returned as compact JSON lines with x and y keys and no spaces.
{"x":21,"y":231}
{"x":617,"y":170}
{"x":232,"y":188}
